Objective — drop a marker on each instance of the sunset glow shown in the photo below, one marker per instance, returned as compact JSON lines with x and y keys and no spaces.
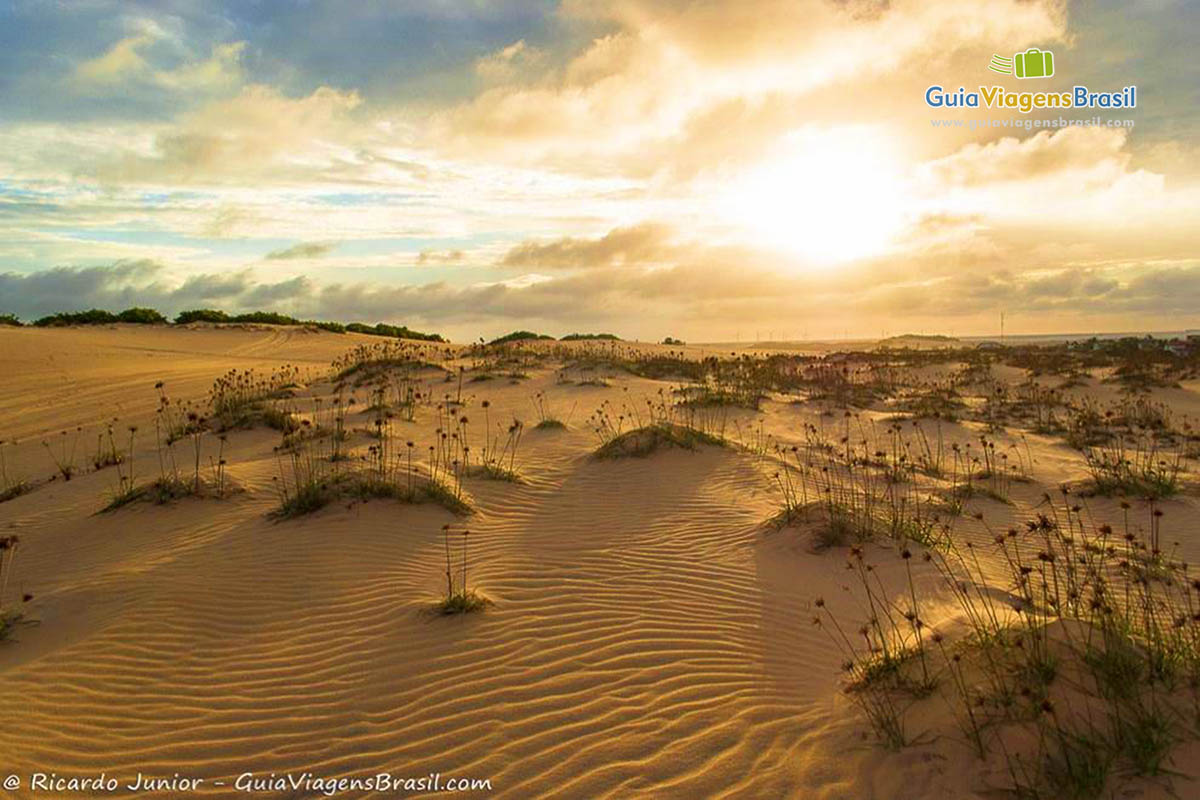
{"x":462,"y":167}
{"x":826,"y":196}
{"x":600,"y":399}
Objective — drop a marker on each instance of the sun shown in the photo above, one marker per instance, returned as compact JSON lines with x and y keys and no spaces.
{"x":825,"y":195}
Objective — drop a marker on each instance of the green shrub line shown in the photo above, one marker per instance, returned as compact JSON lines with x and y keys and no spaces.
{"x":149,"y":316}
{"x":521,"y":336}
{"x":580,"y":337}
{"x":530,"y":336}
{"x":96,"y":316}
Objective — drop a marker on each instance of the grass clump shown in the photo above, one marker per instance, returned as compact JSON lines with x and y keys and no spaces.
{"x":316,"y":472}
{"x":186,"y":476}
{"x":638,"y":431}
{"x":705,"y":395}
{"x":367,"y":362}
{"x":1083,"y":673}
{"x":279,"y":419}
{"x":10,"y":614}
{"x":643,"y":441}
{"x":861,"y":486}
{"x":312,"y":494}
{"x":163,"y":490}
{"x":459,"y":597}
{"x":956,"y":496}
{"x":14,"y":490}
{"x":494,"y":471}
{"x":242,"y":399}
{"x":11,"y":486}
{"x":62,"y":453}
{"x":463,"y":603}
{"x":1076,"y":765}
{"x":1134,"y":466}
{"x":547,"y":419}
{"x":8,"y":621}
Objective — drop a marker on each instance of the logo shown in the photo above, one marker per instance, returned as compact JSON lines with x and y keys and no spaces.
{"x":1033,"y":63}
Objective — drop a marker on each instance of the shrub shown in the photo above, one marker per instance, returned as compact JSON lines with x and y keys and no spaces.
{"x":395,"y":331}
{"x":576,"y":337}
{"x":142,"y":316}
{"x":94,"y":316}
{"x":332,"y":327}
{"x":265,"y":318}
{"x":520,"y":336}
{"x":201,"y":315}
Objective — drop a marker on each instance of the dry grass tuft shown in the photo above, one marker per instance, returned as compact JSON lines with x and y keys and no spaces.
{"x":642,"y":442}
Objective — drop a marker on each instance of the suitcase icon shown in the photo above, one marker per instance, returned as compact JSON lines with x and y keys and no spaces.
{"x":1033,"y":63}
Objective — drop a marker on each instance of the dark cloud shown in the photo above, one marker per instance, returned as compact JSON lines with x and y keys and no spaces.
{"x":118,"y":286}
{"x":636,"y":301}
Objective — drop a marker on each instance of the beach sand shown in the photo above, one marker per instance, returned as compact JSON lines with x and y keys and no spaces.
{"x":649,"y":635}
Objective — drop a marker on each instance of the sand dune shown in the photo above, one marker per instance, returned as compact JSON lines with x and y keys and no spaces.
{"x":649,"y":636}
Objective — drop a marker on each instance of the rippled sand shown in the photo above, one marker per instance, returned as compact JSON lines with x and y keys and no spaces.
{"x":648,"y":638}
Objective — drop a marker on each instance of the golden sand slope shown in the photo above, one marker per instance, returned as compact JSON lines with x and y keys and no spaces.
{"x":648,"y":639}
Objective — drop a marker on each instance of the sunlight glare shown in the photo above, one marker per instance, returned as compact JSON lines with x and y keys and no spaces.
{"x":827,"y":196}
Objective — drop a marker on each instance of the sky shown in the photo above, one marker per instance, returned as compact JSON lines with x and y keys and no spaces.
{"x":712,"y":171}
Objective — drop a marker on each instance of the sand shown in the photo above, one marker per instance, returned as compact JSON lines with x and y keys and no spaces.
{"x":649,"y":637}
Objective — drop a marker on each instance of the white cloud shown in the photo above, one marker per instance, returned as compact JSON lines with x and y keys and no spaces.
{"x":126,"y":63}
{"x":120,"y":62}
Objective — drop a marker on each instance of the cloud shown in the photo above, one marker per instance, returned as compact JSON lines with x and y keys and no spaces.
{"x":632,"y":163}
{"x":689,"y":296}
{"x":641,"y":244}
{"x":1076,"y":184}
{"x":301,"y":250}
{"x":259,"y":133}
{"x":510,"y":63}
{"x":118,"y":63}
{"x":663,"y":73}
{"x":1096,"y":150}
{"x":221,"y":70}
{"x":224,"y":221}
{"x":426,"y":257}
{"x":125,"y":62}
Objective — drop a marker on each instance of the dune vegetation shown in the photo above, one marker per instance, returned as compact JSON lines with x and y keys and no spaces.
{"x":150,"y":316}
{"x":990,"y":546}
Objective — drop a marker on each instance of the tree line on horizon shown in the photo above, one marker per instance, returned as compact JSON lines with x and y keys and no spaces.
{"x":149,"y":316}
{"x":524,"y":336}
